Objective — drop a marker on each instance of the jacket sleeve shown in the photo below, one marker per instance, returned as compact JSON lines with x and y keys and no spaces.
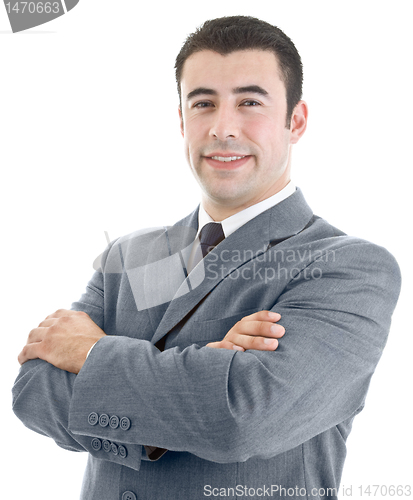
{"x":228,"y":406}
{"x":42,"y":395}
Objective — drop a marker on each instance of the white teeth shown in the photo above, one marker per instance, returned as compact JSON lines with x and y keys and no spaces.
{"x":227,"y":158}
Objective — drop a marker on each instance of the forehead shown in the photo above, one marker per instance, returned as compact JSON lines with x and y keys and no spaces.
{"x":223,"y":72}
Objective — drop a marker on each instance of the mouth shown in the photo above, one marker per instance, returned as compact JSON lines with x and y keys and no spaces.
{"x":227,"y":162}
{"x":226,"y":158}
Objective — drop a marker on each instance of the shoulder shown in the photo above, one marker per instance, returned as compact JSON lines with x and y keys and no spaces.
{"x":330,"y":237}
{"x":337,"y":275}
{"x":113,"y":258}
{"x":352,"y":257}
{"x":147,"y":245}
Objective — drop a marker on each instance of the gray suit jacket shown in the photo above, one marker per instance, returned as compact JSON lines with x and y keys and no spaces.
{"x":229,"y":419}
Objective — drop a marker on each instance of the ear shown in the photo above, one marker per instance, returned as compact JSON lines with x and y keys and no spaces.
{"x":298,"y":121}
{"x":181,"y":120}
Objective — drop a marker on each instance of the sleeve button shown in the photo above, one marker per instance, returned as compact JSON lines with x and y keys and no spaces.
{"x":114,"y":422}
{"x":115,"y":449}
{"x":96,"y":444}
{"x":107,"y":445}
{"x":125,"y":423}
{"x":93,"y":418}
{"x":128,"y":495}
{"x":123,"y":452}
{"x":103,"y":420}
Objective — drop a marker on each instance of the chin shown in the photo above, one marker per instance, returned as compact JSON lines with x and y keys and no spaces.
{"x":227,"y":197}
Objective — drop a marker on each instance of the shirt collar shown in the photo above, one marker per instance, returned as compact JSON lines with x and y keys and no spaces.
{"x":231,"y":224}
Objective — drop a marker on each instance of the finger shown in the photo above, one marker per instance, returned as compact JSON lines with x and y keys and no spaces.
{"x":30,"y":351}
{"x":247,"y":342}
{"x":258,"y":335}
{"x":263,"y":316}
{"x":62,"y":312}
{"x":257,"y":328}
{"x":36,"y":335}
{"x":225,"y":344}
{"x":48,"y":322}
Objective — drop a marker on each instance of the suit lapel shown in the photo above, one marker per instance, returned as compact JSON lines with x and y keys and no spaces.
{"x":171,"y":242}
{"x":253,"y":238}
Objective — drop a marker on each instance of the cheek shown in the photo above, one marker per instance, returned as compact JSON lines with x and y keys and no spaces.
{"x":191,"y":146}
{"x":271,"y":140}
{"x":261,"y":130}
{"x":193,"y":131}
{"x":195,"y":142}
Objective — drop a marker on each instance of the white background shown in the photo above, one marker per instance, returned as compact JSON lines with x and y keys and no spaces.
{"x":90,"y":142}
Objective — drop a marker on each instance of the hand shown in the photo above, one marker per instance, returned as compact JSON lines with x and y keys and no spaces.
{"x":257,"y":331}
{"x":63,"y":339}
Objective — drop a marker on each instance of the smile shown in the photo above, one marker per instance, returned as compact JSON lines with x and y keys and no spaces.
{"x":233,"y":162}
{"x":226,"y":158}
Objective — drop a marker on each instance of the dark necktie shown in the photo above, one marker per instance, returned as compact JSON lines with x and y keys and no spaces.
{"x":209,"y":237}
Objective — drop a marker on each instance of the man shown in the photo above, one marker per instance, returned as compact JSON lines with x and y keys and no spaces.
{"x":172,"y":370}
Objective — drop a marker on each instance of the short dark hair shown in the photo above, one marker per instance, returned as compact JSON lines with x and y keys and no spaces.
{"x":229,"y":34}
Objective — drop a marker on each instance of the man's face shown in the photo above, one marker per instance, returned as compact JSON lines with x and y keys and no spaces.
{"x":233,"y":122}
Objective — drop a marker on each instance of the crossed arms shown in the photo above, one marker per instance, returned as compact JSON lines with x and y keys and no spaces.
{"x":65,"y":337}
{"x":219,"y":404}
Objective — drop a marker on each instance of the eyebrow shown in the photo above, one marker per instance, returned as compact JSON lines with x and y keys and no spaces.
{"x":255,"y":89}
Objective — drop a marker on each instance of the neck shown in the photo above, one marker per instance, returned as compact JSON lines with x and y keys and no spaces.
{"x":219,"y":211}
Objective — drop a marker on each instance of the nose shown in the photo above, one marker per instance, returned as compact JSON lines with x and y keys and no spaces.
{"x":225,"y":124}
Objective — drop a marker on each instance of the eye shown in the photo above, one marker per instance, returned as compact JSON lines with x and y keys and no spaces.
{"x":202,"y":104}
{"x":250,"y":102}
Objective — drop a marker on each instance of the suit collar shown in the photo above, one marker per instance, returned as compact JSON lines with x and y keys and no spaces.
{"x":190,"y":220}
{"x":276,"y":224}
{"x":235,"y":221}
